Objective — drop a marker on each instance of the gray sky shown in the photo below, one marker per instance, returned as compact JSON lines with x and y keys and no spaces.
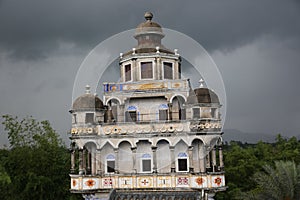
{"x":255,"y":44}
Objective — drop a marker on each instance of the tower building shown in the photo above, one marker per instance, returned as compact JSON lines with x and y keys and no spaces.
{"x":152,"y":136}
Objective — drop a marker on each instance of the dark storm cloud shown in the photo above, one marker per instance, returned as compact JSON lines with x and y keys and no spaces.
{"x":256,"y":45}
{"x":32,"y":28}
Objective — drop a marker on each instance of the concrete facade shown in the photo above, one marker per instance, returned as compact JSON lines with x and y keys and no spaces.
{"x":152,"y":131}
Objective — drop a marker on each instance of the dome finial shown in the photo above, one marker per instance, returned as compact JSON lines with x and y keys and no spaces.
{"x":201,"y":81}
{"x":87,"y":89}
{"x":148,"y":16}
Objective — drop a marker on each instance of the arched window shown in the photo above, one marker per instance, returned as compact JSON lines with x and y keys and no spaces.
{"x":163,"y":112}
{"x":110,"y":163}
{"x":131,"y":114}
{"x":146,"y":162}
{"x":182,"y":162}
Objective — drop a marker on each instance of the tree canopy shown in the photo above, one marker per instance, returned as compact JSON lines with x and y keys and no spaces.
{"x":36,"y":166}
{"x":246,"y":165}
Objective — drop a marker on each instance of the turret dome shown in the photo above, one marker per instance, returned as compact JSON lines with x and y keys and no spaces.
{"x":203,"y":95}
{"x":87,"y":101}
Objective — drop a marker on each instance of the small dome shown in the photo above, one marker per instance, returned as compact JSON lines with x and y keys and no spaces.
{"x":203,"y":95}
{"x":87,"y":102}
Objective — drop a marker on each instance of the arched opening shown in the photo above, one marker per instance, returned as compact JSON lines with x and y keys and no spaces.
{"x":144,"y":157}
{"x":164,"y":159}
{"x":181,"y":157}
{"x":109,"y":158}
{"x":113,"y":110}
{"x":89,"y":158}
{"x":126,"y":159}
{"x":198,"y":156}
{"x":178,"y":111}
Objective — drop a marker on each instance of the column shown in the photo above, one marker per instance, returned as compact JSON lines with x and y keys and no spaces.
{"x":172,"y":148}
{"x":94,"y":162}
{"x":133,"y":149}
{"x":81,"y":161}
{"x":121,"y":111}
{"x":208,"y":161}
{"x":98,"y":162}
{"x":221,"y":158}
{"x":214,"y":159}
{"x":72,"y":161}
{"x":116,"y":150}
{"x":89,"y":158}
{"x":191,"y":159}
{"x":84,"y":160}
{"x":202,"y":155}
{"x":135,"y":69}
{"x":154,"y":159}
{"x":158,"y":69}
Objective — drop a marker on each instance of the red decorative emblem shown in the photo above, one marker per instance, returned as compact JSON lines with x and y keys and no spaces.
{"x":218,"y":181}
{"x":90,"y":183}
{"x":107,"y":182}
{"x":183,"y":181}
{"x":199,"y":180}
{"x":74,"y":182}
{"x":145,"y":182}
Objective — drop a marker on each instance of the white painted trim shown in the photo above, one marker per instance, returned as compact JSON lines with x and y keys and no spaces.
{"x":171,"y":99}
{"x":187,"y":162}
{"x":131,"y":71}
{"x":141,"y":163}
{"x":106,"y":165}
{"x":110,"y":98}
{"x":140,"y":69}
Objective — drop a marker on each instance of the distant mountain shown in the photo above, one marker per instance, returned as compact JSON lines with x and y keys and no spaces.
{"x":236,"y":135}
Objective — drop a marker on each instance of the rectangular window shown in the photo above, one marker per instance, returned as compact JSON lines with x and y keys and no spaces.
{"x":179,"y":71}
{"x":74,"y":119}
{"x":128,"y":72}
{"x":182,"y":114}
{"x":89,"y":118}
{"x":168,"y":70}
{"x":146,"y":70}
{"x":146,"y":165}
{"x":182,"y":164}
{"x":110,"y":166}
{"x":196,"y":113}
{"x":130,"y":116}
{"x":163,"y":114}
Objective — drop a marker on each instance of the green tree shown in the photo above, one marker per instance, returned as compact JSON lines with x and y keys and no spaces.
{"x":37,"y":162}
{"x":281,"y":182}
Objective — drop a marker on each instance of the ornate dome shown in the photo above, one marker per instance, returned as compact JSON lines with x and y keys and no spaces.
{"x":87,"y":102}
{"x":203,"y":95}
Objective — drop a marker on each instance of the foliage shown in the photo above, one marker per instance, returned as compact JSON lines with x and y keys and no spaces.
{"x":244,"y":163}
{"x":37,"y":164}
{"x":280,"y":182}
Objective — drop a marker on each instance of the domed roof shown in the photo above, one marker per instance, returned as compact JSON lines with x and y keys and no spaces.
{"x":203,"y":95}
{"x":87,"y":102}
{"x":148,"y":27}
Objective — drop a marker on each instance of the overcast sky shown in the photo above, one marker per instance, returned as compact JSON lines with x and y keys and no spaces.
{"x":255,"y":44}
